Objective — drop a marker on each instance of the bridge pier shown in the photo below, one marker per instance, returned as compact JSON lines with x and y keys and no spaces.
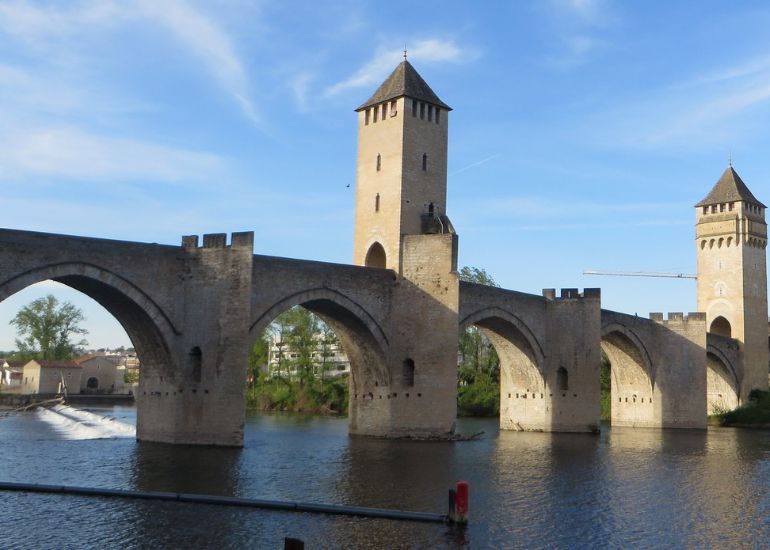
{"x":197,"y":396}
{"x":420,"y":399}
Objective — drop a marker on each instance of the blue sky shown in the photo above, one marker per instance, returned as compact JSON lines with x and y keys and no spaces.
{"x":583,"y":132}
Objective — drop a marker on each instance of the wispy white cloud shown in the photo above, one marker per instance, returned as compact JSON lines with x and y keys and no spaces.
{"x":57,"y":29}
{"x":474,"y":164}
{"x":543,"y":208}
{"x":718,"y":108}
{"x":207,"y":41}
{"x":593,"y":12}
{"x":375,"y":70}
{"x":70,"y":152}
{"x":579,"y":26}
{"x":300,"y":87}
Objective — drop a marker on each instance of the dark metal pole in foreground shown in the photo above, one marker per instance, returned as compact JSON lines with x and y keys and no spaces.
{"x":228,"y":501}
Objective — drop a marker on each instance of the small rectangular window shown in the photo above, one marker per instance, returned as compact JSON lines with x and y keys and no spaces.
{"x":384,"y":111}
{"x":430,"y":113}
{"x":375,"y":111}
{"x":721,"y":207}
{"x":438,"y":113}
{"x":705,"y":209}
{"x":414,"y":107}
{"x":393,"y":108}
{"x":366,"y":117}
{"x":422,"y":111}
{"x":730,"y":206}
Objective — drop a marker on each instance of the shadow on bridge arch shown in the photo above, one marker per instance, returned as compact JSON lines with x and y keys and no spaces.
{"x":721,"y":382}
{"x":632,"y":390}
{"x":361,"y":337}
{"x":523,"y":403}
{"x":149,"y":329}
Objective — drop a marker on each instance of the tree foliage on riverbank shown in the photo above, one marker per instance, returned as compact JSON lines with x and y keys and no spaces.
{"x":755,"y":412}
{"x":45,"y":328}
{"x":478,"y":392}
{"x":605,"y":389}
{"x":299,"y":379}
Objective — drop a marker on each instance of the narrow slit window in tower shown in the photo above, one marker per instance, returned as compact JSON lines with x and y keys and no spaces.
{"x":430,"y":113}
{"x":366,"y":117}
{"x":422,"y":111}
{"x":424,"y":161}
{"x":196,"y":360}
{"x":414,"y":107}
{"x":393,"y":108}
{"x":438,"y":113}
{"x":562,"y":379}
{"x":375,"y":110}
{"x":377,"y":203}
{"x":384,"y":111}
{"x":379,"y":162}
{"x":407,"y":372}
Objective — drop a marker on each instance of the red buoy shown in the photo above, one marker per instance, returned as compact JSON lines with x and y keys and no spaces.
{"x":461,"y":502}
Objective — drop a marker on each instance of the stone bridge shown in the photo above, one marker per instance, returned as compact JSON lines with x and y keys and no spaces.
{"x":658,"y":369}
{"x":193,"y":312}
{"x":549,"y":354}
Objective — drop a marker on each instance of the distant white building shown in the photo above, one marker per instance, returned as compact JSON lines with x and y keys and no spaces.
{"x":329,"y":359}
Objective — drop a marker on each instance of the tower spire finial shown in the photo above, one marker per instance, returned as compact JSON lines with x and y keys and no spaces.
{"x":404,"y":52}
{"x":730,"y":158}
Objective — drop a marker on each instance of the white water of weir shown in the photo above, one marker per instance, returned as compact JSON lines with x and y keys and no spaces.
{"x":71,"y":423}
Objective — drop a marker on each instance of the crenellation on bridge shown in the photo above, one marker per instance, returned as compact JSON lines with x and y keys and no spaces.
{"x":678,"y":317}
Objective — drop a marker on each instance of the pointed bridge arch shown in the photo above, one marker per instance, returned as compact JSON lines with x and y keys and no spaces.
{"x":150,"y":329}
{"x":632,"y":376}
{"x":483,"y":316}
{"x":362,"y":337}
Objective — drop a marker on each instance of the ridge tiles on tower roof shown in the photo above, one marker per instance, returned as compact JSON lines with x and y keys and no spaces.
{"x":729,"y":188}
{"x":404,"y":81}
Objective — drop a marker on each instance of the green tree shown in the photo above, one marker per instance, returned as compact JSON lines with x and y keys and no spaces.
{"x":45,"y":327}
{"x":478,"y":363}
{"x":302,"y":341}
{"x":259,"y":355}
{"x":477,"y":275}
{"x":329,"y":344}
{"x":477,"y":355}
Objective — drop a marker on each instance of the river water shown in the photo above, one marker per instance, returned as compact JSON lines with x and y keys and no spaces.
{"x":624,"y":488}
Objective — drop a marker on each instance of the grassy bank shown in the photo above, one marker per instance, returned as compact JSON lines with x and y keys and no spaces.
{"x":479,"y":398}
{"x":311,"y":397}
{"x":754,"y":413}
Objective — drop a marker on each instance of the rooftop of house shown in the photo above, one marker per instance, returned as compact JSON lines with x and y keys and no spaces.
{"x":54,"y":364}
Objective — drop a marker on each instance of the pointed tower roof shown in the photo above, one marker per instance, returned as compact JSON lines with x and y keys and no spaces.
{"x":729,"y":188}
{"x":404,"y":81}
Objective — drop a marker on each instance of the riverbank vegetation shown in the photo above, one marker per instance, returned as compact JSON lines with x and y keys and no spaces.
{"x":605,"y":389}
{"x":293,"y":367}
{"x":478,"y":391}
{"x":754,"y":413}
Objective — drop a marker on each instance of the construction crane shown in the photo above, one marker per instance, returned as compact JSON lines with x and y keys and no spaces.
{"x":640,"y":274}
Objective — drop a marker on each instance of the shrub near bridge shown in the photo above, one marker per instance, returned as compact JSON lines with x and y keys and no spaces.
{"x":755,"y":412}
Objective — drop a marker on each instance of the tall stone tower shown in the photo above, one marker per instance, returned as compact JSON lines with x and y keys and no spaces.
{"x":402,"y":168}
{"x":731,"y":237}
